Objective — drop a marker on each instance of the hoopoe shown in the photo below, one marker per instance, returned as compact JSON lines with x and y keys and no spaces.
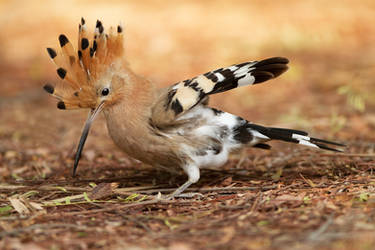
{"x":170,"y":127}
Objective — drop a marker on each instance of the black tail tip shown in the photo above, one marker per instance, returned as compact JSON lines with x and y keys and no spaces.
{"x":272,"y":60}
{"x":279,"y":59}
{"x":284,"y":60}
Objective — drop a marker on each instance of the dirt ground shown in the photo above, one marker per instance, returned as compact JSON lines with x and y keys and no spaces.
{"x":290,"y":197}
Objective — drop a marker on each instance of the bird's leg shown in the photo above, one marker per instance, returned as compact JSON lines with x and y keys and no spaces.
{"x":181,"y":189}
{"x":193,"y":174}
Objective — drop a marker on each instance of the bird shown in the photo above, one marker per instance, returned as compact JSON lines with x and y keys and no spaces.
{"x":171,"y":127}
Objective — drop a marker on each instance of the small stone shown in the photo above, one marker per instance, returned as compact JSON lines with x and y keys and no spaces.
{"x":90,"y":155}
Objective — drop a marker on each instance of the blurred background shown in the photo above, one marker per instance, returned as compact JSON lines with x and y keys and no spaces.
{"x":329,"y":89}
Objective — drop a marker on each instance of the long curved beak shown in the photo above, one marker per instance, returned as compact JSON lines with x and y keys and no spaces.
{"x":93,"y":113}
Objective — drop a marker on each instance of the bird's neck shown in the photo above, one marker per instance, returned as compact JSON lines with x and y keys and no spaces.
{"x":128,"y":119}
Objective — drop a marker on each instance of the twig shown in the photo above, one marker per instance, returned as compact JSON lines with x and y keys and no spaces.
{"x":309,"y":182}
{"x":132,"y":189}
{"x":348,"y":155}
{"x":80,"y":197}
{"x":69,"y":189}
{"x":256,"y":202}
{"x":119,"y":207}
{"x":42,"y":188}
{"x":317,"y":233}
{"x":78,"y":181}
{"x":208,"y":190}
{"x":72,"y":198}
{"x":39,"y":226}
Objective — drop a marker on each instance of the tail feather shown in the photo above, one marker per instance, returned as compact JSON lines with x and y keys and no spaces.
{"x":315,"y":140}
{"x":276,"y":66}
{"x":295,"y":136}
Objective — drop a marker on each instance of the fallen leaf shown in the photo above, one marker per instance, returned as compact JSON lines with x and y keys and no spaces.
{"x":37,"y":206}
{"x":102,"y":190}
{"x":19,"y":206}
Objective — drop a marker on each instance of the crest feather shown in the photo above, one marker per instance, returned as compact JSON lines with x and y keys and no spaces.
{"x":79,"y":69}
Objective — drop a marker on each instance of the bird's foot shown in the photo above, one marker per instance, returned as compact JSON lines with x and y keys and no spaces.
{"x":188,"y":195}
{"x":168,"y":197}
{"x":178,"y":193}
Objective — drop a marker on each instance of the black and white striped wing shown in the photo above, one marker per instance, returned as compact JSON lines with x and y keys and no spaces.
{"x":183,"y":96}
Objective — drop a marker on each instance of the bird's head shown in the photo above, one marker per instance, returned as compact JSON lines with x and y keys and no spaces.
{"x":91,"y":75}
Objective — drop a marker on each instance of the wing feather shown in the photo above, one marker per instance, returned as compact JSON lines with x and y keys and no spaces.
{"x":183,"y":96}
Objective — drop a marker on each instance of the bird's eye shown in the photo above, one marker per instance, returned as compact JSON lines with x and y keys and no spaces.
{"x":105,"y":91}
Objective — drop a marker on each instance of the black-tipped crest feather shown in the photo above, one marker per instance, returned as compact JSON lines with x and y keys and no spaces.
{"x":52,"y":53}
{"x":63,"y":40}
{"x":84,"y":43}
{"x":78,"y":70}
{"x":61,"y":72}
{"x":61,"y":105}
{"x":49,"y":88}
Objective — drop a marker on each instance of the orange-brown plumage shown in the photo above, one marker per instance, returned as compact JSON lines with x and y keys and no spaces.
{"x":81,"y":71}
{"x":171,"y":127}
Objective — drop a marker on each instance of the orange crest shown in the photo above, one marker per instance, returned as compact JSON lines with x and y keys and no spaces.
{"x":80,"y":70}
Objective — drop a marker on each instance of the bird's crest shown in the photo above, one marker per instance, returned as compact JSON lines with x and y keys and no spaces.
{"x":81,"y":69}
